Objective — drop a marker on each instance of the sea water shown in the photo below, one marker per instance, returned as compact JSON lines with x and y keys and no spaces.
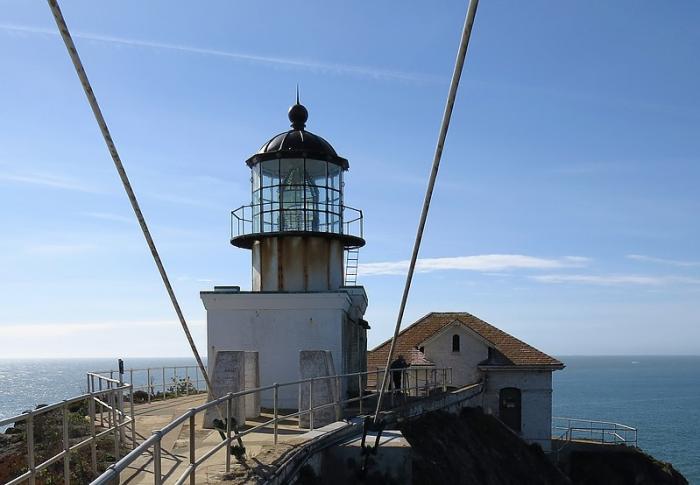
{"x":660,"y":396}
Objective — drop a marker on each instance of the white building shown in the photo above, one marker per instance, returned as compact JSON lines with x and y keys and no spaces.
{"x":299,"y":232}
{"x":517,"y":377}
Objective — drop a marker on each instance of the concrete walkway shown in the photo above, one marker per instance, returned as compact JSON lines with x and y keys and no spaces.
{"x":175,"y":445}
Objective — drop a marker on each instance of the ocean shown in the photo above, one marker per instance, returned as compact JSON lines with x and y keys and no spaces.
{"x":658,"y":395}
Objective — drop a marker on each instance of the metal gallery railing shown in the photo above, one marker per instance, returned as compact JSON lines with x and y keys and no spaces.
{"x":268,"y":218}
{"x":160,"y":383}
{"x":437,"y":380}
{"x":105,"y":416}
{"x":606,"y":432}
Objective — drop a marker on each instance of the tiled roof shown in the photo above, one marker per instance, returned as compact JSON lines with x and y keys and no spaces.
{"x":517,"y":352}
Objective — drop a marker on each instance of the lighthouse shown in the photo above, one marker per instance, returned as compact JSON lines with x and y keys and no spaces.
{"x":303,"y":241}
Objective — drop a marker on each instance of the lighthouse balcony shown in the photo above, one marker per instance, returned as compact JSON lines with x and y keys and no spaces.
{"x":250,"y":223}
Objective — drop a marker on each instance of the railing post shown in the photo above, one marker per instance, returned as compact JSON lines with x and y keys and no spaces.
{"x":228,"y":434}
{"x":120,"y":408}
{"x":87,"y":376}
{"x":30,"y":448}
{"x":148,"y":384}
{"x":359,"y":387}
{"x":66,"y":446}
{"x":163,"y":383}
{"x":192,"y":454}
{"x":109,"y":406}
{"x":102,"y":414}
{"x":187,"y":381}
{"x":196,"y":376}
{"x":275,"y":396}
{"x":115,"y":425}
{"x":311,"y":404}
{"x":133,"y":421}
{"x":93,"y":442}
{"x":157,"y":475}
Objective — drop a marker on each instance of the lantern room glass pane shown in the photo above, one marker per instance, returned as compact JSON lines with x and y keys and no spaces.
{"x":316,"y":172}
{"x":270,"y":172}
{"x":292,"y":194}
{"x":335,"y":176}
{"x":256,"y":177}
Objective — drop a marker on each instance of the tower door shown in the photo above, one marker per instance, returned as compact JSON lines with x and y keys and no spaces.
{"x":509,"y":409}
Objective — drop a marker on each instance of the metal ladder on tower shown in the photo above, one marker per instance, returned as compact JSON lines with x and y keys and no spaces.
{"x":352,"y":256}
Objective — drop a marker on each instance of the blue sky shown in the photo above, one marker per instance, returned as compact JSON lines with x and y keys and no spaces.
{"x":566,"y":203}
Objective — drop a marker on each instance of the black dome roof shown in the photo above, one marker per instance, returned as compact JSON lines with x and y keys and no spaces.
{"x":298,"y":143}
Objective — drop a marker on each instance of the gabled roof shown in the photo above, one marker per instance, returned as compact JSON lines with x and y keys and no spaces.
{"x":517,"y":352}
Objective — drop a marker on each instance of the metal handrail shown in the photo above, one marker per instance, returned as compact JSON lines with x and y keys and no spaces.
{"x":606,"y":432}
{"x":116,"y":420}
{"x":250,"y":219}
{"x":154,"y":440}
{"x":169,"y":377}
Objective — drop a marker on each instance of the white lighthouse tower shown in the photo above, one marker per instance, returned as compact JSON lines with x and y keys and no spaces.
{"x":298,"y":231}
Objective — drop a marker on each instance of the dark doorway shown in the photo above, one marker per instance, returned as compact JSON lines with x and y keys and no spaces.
{"x":509,"y":408}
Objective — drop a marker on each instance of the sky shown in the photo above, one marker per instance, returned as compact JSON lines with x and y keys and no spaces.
{"x":565,"y":210}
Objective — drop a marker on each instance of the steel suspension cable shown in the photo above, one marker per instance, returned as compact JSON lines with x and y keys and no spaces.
{"x":447,"y":115}
{"x":72,"y":51}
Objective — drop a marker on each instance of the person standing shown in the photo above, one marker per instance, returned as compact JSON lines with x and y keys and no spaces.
{"x":396,"y":368}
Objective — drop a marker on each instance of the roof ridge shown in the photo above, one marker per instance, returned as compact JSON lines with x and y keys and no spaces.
{"x":513,"y":348}
{"x":403,"y":331}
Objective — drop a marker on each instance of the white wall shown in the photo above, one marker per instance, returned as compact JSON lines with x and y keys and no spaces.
{"x":278,"y":326}
{"x":535,"y":386}
{"x":536,"y":401}
{"x":463,"y":363}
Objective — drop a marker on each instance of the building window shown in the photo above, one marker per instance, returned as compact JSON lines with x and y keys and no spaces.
{"x":455,"y":343}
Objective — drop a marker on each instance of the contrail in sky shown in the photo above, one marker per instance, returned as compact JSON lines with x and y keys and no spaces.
{"x":316,"y":66}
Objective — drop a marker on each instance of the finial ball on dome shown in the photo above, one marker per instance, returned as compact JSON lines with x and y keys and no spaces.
{"x":298,"y":116}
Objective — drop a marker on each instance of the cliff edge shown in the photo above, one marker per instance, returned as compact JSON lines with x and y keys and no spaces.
{"x":477,"y":448}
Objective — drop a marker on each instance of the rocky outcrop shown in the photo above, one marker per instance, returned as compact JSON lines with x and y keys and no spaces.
{"x":475,"y":448}
{"x":629,"y":466}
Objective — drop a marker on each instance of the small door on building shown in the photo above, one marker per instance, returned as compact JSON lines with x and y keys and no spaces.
{"x":509,"y":409}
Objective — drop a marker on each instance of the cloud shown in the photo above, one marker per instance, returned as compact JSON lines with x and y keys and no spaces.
{"x":672,"y":262}
{"x":483,"y":262}
{"x":44,"y":179}
{"x":44,"y":330}
{"x":369,"y":72}
{"x":615,"y":279}
{"x":106,"y":216}
{"x":58,"y":249}
{"x":179,"y":200}
{"x":48,"y":180}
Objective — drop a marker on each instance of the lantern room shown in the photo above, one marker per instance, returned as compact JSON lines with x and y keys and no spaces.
{"x":297,"y":224}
